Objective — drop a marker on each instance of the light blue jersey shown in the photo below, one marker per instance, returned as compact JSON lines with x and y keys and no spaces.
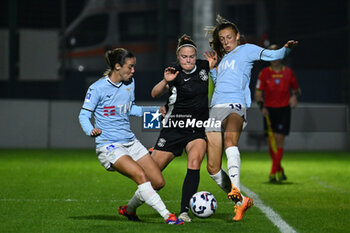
{"x":111,"y":104}
{"x":232,"y":76}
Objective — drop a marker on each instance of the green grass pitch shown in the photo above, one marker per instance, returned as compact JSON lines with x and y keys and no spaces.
{"x":69,"y":191}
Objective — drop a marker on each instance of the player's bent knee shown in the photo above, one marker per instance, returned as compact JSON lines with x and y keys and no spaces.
{"x":140,"y":177}
{"x":159,"y":184}
{"x":212,"y":170}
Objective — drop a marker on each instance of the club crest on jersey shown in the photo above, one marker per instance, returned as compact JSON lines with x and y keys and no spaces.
{"x":151,"y":119}
{"x":203,"y":75}
{"x":161,"y":142}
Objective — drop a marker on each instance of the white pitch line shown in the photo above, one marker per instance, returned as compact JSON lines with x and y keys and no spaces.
{"x":282,"y":225}
{"x":317,"y":180}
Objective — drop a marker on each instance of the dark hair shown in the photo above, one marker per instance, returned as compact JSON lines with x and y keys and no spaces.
{"x":116,"y":56}
{"x":185,"y":41}
{"x":215,"y":41}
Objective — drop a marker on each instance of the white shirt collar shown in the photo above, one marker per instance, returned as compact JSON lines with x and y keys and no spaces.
{"x":190,"y":72}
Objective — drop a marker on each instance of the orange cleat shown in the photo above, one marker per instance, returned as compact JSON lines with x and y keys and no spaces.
{"x":235,"y":195}
{"x":241,"y":209}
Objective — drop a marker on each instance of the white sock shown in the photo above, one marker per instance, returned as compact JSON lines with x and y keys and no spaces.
{"x":134,"y":202}
{"x":241,"y":202}
{"x":151,"y":197}
{"x":222,"y":179}
{"x":234,"y":165}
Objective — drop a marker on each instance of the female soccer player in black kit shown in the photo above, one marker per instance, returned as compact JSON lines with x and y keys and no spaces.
{"x":187,"y":110}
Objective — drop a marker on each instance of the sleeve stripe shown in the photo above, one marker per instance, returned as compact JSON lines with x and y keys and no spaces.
{"x":88,"y":109}
{"x":261,"y":54}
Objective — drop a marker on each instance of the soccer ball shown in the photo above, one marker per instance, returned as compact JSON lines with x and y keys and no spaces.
{"x":203,"y":204}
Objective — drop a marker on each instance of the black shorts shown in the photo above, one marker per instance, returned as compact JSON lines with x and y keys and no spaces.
{"x":175,"y":140}
{"x":280,"y":120}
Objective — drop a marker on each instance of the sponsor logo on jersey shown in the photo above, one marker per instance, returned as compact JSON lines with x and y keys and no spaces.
{"x":120,"y":109}
{"x":109,"y":111}
{"x":227,"y":65}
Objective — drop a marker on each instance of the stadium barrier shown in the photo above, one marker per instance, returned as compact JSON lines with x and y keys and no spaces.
{"x":54,"y":124}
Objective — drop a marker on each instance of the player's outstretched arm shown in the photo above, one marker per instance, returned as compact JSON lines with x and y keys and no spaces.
{"x":291,"y":44}
{"x":273,"y":55}
{"x":162,"y":87}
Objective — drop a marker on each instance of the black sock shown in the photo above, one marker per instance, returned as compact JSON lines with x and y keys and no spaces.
{"x":189,"y":188}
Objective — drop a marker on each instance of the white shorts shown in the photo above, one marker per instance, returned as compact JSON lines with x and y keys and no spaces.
{"x":110,"y":153}
{"x":219,"y":113}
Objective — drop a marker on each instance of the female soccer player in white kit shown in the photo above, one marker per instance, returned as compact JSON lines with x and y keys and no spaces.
{"x":229,"y":102}
{"x":111,"y":100}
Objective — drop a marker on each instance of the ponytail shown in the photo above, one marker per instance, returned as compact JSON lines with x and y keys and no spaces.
{"x":116,"y":56}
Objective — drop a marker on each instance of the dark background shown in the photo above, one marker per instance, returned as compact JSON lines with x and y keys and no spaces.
{"x":321,"y":61}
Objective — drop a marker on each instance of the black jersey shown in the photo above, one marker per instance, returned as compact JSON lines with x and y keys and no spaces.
{"x":188,"y":93}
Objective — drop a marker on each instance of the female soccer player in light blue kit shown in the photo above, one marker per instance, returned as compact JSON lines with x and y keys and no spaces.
{"x":229,"y":102}
{"x":111,"y":100}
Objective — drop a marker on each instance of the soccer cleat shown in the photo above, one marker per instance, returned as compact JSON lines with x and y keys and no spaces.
{"x":283,"y":176}
{"x":173,"y":220}
{"x":241,"y":209}
{"x":234,"y":195}
{"x":150,"y":150}
{"x":272,"y":178}
{"x":132,"y":217}
{"x":184,"y":217}
{"x":280,"y":176}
